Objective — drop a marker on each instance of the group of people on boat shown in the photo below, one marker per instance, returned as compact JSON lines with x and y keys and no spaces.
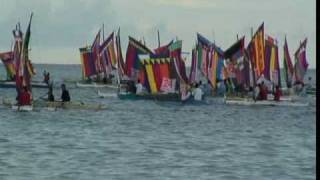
{"x":24,"y":97}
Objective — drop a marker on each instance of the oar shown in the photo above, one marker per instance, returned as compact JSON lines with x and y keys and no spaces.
{"x":40,"y":97}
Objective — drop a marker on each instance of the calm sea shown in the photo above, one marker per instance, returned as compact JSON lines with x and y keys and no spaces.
{"x":153,"y":140}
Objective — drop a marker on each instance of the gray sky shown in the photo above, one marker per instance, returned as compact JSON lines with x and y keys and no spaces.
{"x":60,"y":27}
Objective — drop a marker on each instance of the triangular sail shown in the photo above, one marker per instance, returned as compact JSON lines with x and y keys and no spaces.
{"x":287,"y":64}
{"x":258,"y":50}
{"x":135,"y":48}
{"x":301,"y":64}
{"x":24,"y":69}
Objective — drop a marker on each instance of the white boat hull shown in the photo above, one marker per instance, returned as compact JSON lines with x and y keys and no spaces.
{"x":107,"y":95}
{"x":96,"y":85}
{"x":265,"y":103}
{"x":22,"y":108}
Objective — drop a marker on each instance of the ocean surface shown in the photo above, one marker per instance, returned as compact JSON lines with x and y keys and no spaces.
{"x":154,"y":140}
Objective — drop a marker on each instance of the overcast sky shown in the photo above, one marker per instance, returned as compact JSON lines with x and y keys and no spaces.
{"x":60,"y":27}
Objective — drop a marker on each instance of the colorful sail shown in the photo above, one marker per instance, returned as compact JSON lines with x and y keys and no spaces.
{"x":257,"y":44}
{"x":287,"y":64}
{"x":156,"y":75}
{"x":120,"y":62}
{"x":87,"y":62}
{"x":95,"y":48}
{"x":194,"y":67}
{"x":24,"y":69}
{"x":179,"y":64}
{"x":135,"y":48}
{"x":272,"y":68}
{"x":163,"y":51}
{"x":8,"y":61}
{"x":301,"y":64}
{"x":107,"y":54}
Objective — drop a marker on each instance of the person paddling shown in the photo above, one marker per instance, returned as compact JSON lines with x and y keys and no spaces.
{"x":50,"y":95}
{"x":24,"y":98}
{"x":65,"y":97}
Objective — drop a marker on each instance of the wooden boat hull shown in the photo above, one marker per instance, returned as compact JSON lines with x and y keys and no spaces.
{"x":12,"y":84}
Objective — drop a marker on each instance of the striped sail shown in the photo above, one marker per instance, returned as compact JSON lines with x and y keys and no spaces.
{"x":301,"y":64}
{"x":287,"y":64}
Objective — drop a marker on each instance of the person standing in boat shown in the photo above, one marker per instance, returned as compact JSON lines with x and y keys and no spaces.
{"x":24,"y":97}
{"x":50,"y":94}
{"x":257,"y":92}
{"x":65,"y":97}
{"x":197,"y":93}
{"x":277,"y":93}
{"x":139,"y":87}
{"x":263,"y":91}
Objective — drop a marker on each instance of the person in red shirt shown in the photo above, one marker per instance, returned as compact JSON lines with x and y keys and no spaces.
{"x":263,"y":91}
{"x":277,"y":94}
{"x":24,"y":97}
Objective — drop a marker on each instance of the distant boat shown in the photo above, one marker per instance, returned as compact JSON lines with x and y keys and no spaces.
{"x":10,"y":62}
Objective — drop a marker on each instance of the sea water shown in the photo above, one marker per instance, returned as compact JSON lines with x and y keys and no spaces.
{"x":154,"y":140}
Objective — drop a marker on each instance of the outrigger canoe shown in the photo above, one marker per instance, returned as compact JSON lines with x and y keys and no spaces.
{"x":158,"y":97}
{"x":96,"y":85}
{"x":107,"y":95}
{"x":54,"y":105}
{"x":12,"y":84}
{"x":251,"y":102}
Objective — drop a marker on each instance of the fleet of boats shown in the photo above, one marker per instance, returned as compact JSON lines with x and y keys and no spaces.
{"x":162,"y":71}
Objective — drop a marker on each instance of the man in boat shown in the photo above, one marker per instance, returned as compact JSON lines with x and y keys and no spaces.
{"x":221,"y":89}
{"x":277,"y":93}
{"x":207,"y":90}
{"x":50,"y":95}
{"x":24,"y":97}
{"x":197,"y":93}
{"x":65,"y":97}
{"x":257,"y":91}
{"x":263,"y":91}
{"x":139,"y":87}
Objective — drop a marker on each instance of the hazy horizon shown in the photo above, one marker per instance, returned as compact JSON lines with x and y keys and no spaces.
{"x":61,"y":27}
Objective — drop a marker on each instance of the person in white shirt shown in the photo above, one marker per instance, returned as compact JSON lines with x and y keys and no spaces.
{"x":139,"y":87}
{"x":197,"y":93}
